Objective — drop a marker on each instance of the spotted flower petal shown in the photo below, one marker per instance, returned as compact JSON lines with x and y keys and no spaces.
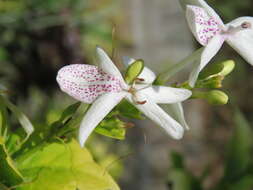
{"x":210,"y":11}
{"x":203,"y":26}
{"x":86,"y":82}
{"x":202,"y":4}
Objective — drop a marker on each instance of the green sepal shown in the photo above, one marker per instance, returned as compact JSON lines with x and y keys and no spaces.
{"x":124,"y":108}
{"x":213,"y":75}
{"x":221,"y":69}
{"x":213,"y":82}
{"x":112,"y":127}
{"x":133,"y":71}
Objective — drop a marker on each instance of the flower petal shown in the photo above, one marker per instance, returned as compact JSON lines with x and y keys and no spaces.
{"x":177,"y":112}
{"x":165,"y":95}
{"x":209,"y":52}
{"x":203,"y":27}
{"x":159,"y":116}
{"x":209,"y":10}
{"x":106,"y":64}
{"x":242,"y":41}
{"x":86,"y":82}
{"x":147,"y":74}
{"x":97,"y":112}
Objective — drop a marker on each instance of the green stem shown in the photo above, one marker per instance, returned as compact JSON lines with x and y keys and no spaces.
{"x":172,"y":70}
{"x":198,"y":95}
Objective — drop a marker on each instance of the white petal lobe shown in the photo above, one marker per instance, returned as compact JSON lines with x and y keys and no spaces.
{"x":160,"y":117}
{"x":166,"y":95}
{"x":178,"y":113}
{"x":97,"y":112}
{"x":106,"y":64}
{"x":242,"y":41}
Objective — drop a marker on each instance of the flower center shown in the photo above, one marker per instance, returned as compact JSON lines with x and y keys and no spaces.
{"x":233,"y":30}
{"x":132,"y":90}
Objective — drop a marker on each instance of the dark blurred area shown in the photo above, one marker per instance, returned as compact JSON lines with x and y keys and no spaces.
{"x":37,"y":37}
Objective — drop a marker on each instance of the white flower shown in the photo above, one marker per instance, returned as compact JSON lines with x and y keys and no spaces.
{"x":104,"y":87}
{"x":211,"y":32}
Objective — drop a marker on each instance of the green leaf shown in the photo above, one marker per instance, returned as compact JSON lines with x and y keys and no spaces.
{"x":112,"y":127}
{"x":63,"y":166}
{"x":239,"y":150}
{"x":177,"y":160}
{"x":245,"y":183}
{"x":13,"y":142}
{"x":3,"y":119}
{"x":133,"y":71}
{"x":9,"y":175}
{"x":67,"y":123}
{"x":180,"y":179}
{"x":23,"y":120}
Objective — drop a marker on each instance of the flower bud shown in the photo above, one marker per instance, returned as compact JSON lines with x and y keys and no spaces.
{"x":216,"y":97}
{"x":228,"y":67}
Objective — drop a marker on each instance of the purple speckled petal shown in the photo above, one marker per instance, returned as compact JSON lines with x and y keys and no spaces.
{"x":86,"y":82}
{"x":201,"y":24}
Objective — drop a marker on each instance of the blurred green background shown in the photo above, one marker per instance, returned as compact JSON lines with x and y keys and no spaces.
{"x":38,"y":37}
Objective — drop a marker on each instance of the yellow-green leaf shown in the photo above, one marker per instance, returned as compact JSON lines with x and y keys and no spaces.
{"x":63,"y":166}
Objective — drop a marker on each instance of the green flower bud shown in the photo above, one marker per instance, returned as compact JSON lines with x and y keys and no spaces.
{"x":214,"y":97}
{"x":217,"y":97}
